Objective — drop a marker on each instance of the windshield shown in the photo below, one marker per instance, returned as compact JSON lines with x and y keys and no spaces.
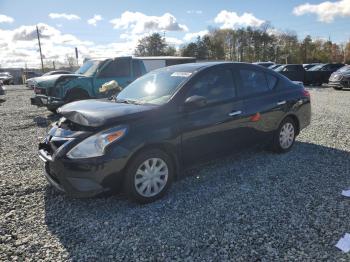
{"x":344,"y":69}
{"x":316,"y":68}
{"x":155,"y":87}
{"x":88,"y":68}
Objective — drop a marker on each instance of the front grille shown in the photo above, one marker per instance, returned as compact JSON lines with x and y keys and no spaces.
{"x":52,"y":144}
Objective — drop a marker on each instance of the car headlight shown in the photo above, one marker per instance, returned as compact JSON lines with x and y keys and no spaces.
{"x":95,"y":145}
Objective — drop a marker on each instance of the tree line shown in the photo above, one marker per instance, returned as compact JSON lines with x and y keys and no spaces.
{"x":250,"y":45}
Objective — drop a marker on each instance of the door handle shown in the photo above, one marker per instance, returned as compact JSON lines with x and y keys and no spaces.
{"x":282,"y":103}
{"x":235,"y":113}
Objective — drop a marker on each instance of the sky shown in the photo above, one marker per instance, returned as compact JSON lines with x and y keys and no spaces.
{"x":112,"y":28}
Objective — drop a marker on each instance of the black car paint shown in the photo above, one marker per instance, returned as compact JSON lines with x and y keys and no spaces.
{"x":187,"y":135}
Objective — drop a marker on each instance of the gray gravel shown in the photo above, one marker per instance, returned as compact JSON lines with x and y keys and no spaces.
{"x":256,"y":206}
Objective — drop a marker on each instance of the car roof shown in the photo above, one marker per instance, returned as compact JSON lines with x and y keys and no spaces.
{"x":191,"y":67}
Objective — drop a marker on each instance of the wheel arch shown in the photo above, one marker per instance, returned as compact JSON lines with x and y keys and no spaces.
{"x":295,"y":119}
{"x":167,"y":148}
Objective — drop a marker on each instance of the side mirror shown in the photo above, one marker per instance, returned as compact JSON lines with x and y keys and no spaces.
{"x":195,"y":102}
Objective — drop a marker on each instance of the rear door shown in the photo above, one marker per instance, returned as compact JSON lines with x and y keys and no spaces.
{"x":262,"y":108}
{"x":119,"y":69}
{"x":215,"y":128}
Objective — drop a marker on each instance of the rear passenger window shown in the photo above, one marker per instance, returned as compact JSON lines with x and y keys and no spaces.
{"x":252,"y":82}
{"x":215,"y":85}
{"x":271,"y":81}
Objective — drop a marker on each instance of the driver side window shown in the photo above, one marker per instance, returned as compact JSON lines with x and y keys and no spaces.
{"x":215,"y":85}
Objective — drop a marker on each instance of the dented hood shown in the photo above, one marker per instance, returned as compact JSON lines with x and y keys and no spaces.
{"x":96,"y":113}
{"x":49,"y":81}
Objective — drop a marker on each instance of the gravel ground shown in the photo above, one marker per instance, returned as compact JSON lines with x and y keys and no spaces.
{"x":256,"y":206}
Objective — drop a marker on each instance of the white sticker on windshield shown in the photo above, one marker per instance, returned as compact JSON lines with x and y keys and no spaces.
{"x":181,"y":74}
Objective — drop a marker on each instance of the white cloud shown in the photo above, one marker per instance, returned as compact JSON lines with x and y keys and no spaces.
{"x":173,"y":41}
{"x":233,"y":20}
{"x":192,"y":36}
{"x":6,"y":19}
{"x":197,"y":12}
{"x":64,"y":16}
{"x":19,"y":46}
{"x":137,"y":23}
{"x":93,"y":21}
{"x":326,"y":11}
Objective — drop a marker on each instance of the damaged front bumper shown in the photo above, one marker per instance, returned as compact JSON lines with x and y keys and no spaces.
{"x":47,"y":101}
{"x":79,"y":177}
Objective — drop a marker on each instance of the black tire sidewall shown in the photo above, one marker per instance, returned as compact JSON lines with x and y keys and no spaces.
{"x":276,"y":141}
{"x":129,"y":185}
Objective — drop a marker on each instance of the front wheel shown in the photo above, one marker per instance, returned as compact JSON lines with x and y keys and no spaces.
{"x":284,"y":136}
{"x":149,"y":176}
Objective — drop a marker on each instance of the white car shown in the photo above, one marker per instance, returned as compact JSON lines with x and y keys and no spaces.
{"x":6,"y":78}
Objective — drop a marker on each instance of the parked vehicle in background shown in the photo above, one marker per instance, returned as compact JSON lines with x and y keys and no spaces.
{"x":274,"y":66}
{"x":31,"y":74}
{"x":308,"y":66}
{"x":316,"y":75}
{"x":264,"y":64}
{"x":294,"y":72}
{"x":341,"y":78}
{"x":30,"y":83}
{"x":55,"y":90}
{"x":320,"y":74}
{"x":166,"y":120}
{"x":6,"y":78}
{"x":155,"y":62}
{"x":2,"y":91}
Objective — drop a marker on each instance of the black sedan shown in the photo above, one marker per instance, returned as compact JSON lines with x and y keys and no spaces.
{"x":170,"y":118}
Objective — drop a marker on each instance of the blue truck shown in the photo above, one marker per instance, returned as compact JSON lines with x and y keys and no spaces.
{"x":56,"y":90}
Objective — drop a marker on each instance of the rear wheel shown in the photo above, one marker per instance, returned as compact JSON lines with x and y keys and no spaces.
{"x":284,"y":136}
{"x":149,"y":176}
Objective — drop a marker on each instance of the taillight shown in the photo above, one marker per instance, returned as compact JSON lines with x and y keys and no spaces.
{"x":306,"y":93}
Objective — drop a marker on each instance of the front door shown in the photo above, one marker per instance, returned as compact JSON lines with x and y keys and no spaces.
{"x":215,"y":128}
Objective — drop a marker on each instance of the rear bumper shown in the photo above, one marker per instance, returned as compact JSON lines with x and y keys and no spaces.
{"x":48,"y":101}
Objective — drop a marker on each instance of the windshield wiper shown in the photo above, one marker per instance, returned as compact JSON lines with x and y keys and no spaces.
{"x":127,"y":101}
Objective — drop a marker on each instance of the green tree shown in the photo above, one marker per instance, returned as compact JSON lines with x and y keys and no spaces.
{"x":153,"y":45}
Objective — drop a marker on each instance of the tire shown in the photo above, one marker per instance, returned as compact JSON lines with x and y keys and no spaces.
{"x":139,"y":185}
{"x":337,"y":88}
{"x":76,"y":95}
{"x":284,"y":136}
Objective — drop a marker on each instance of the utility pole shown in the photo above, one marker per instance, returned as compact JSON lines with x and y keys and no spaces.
{"x":41,"y":55}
